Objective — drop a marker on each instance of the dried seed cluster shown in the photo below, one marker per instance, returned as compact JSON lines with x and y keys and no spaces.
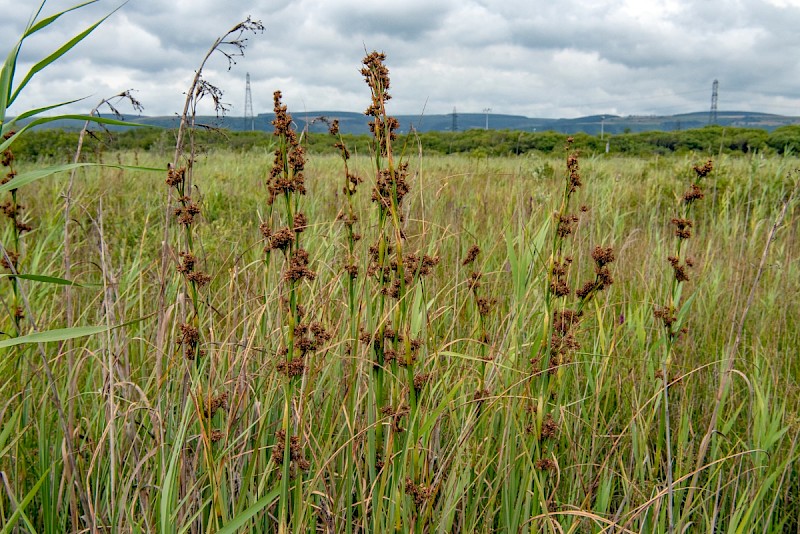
{"x":286,"y":175}
{"x":296,"y":456}
{"x":683,"y":231}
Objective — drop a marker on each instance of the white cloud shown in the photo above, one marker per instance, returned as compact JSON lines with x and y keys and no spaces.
{"x":532,"y":57}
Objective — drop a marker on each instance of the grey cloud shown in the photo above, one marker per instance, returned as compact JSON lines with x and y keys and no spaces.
{"x":532,"y":57}
{"x":408,"y":20}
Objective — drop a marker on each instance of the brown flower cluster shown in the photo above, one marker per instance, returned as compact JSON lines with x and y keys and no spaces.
{"x":8,"y":177}
{"x":374,"y":268}
{"x":396,"y":415}
{"x":12,"y":256}
{"x":281,"y":240}
{"x":383,"y":343}
{"x":414,"y":268}
{"x":480,"y":395}
{"x":704,"y":170}
{"x":215,"y":403}
{"x":186,"y":268}
{"x":485,"y":305}
{"x":376,"y":75}
{"x":472,"y":255}
{"x":189,"y":339}
{"x":12,"y":211}
{"x":474,"y":281}
{"x":309,"y":337}
{"x":199,"y":278}
{"x":351,"y":269}
{"x":418,"y":267}
{"x":683,"y":230}
{"x":602,"y":257}
{"x":300,"y":222}
{"x":562,"y":340}
{"x":8,"y":161}
{"x":298,"y":267}
{"x":186,"y":213}
{"x":666,"y":314}
{"x":176,"y":177}
{"x":391,"y":185}
{"x":11,"y":208}
{"x":683,"y":227}
{"x":352,"y":184}
{"x":296,"y":456}
{"x":573,"y":168}
{"x":545,"y":464}
{"x":565,"y":224}
{"x":286,"y":175}
{"x":294,"y":368}
{"x":549,"y":428}
{"x":419,"y":492}
{"x":558,"y":278}
{"x":420,"y":379}
{"x":694,"y":193}
{"x":680,"y":269}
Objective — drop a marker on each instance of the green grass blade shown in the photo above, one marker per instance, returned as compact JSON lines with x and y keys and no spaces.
{"x":32,"y":176}
{"x":9,"y":428}
{"x":239,"y":521}
{"x":42,"y":278}
{"x":25,"y":502}
{"x":47,"y":21}
{"x":6,"y":79}
{"x":33,"y":112}
{"x":169,"y":483}
{"x":82,"y":118}
{"x":63,"y":49}
{"x":59,"y":334}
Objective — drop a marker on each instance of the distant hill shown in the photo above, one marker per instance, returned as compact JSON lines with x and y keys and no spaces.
{"x":356,"y":123}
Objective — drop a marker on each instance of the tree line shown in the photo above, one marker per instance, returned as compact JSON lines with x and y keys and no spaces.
{"x":59,"y":144}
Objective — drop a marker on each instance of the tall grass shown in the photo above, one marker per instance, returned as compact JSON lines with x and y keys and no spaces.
{"x":442,"y":354}
{"x":611,"y":454}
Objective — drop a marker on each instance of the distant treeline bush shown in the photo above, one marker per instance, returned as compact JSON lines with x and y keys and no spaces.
{"x":59,"y":145}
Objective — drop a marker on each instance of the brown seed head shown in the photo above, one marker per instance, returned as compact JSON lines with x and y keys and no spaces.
{"x":282,"y":239}
{"x":682,"y":228}
{"x":472,"y":254}
{"x":199,"y":278}
{"x":602,"y":256}
{"x":704,"y":170}
{"x":334,"y":127}
{"x":300,"y":222}
{"x":176,"y":177}
{"x":559,"y":287}
{"x":549,"y":427}
{"x":298,"y":267}
{"x":13,"y":256}
{"x":694,"y":193}
{"x":545,"y":464}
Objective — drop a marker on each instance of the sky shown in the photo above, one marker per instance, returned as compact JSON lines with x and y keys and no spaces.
{"x":538,"y":58}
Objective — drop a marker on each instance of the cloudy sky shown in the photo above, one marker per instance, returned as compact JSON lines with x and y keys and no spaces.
{"x":539,"y":58}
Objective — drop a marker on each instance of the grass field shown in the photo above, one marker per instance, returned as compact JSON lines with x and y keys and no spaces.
{"x":460,"y":431}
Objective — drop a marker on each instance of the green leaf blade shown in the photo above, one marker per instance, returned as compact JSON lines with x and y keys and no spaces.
{"x":59,"y":334}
